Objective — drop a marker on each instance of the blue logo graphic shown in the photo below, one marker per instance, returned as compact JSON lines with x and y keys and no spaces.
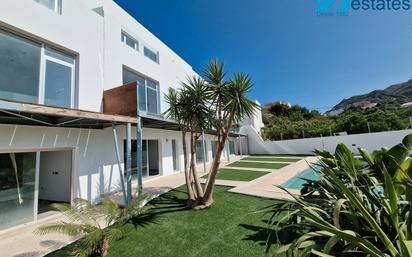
{"x":325,"y":5}
{"x":343,"y":7}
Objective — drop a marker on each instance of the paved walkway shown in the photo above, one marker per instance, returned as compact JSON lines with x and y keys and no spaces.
{"x":265,"y":186}
{"x":20,"y":241}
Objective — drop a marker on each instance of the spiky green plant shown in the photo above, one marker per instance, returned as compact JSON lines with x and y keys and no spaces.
{"x":358,"y":207}
{"x":230,"y":103}
{"x":98,"y":225}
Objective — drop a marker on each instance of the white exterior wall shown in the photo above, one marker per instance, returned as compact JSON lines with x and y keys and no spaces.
{"x":94,"y":169}
{"x":370,"y":142}
{"x":100,"y":56}
{"x":255,"y":120}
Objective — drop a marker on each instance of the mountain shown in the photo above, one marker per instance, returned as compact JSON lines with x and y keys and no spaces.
{"x":398,"y":93}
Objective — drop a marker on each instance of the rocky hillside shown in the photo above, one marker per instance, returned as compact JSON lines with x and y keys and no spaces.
{"x":398,"y":93}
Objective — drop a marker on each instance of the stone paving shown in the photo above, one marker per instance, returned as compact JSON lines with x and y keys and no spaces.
{"x":265,"y":186}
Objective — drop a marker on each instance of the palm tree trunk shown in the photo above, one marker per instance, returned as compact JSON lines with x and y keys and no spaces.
{"x":208,"y":195}
{"x":191,"y":195}
{"x":105,"y":248}
{"x":198,"y":186}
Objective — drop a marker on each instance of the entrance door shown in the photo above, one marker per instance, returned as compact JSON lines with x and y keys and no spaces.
{"x":54,"y":178}
{"x":153,"y":157}
{"x":17,"y":188}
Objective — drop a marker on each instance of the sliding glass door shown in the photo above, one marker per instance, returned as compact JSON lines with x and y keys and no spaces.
{"x":150,"y":158}
{"x":17,"y":188}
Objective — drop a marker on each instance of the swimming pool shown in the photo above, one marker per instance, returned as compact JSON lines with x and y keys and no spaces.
{"x":297,"y":182}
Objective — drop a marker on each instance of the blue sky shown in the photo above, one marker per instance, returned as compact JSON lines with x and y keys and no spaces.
{"x":291,"y":53}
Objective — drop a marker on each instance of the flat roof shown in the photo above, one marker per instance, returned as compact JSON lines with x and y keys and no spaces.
{"x":19,"y":113}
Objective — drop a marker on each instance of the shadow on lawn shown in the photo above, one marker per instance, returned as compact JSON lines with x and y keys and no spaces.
{"x":270,"y":237}
{"x":174,"y":201}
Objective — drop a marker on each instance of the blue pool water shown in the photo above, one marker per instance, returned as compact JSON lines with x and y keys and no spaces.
{"x":297,"y":183}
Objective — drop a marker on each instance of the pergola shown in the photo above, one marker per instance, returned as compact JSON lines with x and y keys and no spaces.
{"x":120,"y":107}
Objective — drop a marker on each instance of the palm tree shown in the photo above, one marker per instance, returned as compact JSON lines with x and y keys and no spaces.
{"x":197,"y":114}
{"x":214,"y":104}
{"x":98,"y":224}
{"x":231,"y":104}
{"x":177,"y":102}
{"x":190,"y":107}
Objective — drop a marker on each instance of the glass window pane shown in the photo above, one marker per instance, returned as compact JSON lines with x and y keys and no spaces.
{"x":231,"y":147}
{"x":214,"y":147}
{"x":17,"y":180}
{"x":134,"y":158}
{"x":20,"y":68}
{"x":59,"y":55}
{"x":152,"y":100}
{"x":142,"y":97}
{"x":51,"y":4}
{"x":129,"y":77}
{"x":151,"y":84}
{"x":58,"y":84}
{"x":199,"y":152}
{"x":150,"y":54}
{"x":130,"y":41}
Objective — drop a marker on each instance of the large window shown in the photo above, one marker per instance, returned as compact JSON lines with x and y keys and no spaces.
{"x":148,"y":91}
{"x":54,"y":5}
{"x":20,"y":66}
{"x":130,"y":41}
{"x":32,"y":72}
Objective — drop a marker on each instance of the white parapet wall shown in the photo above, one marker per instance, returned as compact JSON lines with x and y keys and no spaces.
{"x":370,"y":142}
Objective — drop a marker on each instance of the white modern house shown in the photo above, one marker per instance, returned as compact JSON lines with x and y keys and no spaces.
{"x":58,"y":59}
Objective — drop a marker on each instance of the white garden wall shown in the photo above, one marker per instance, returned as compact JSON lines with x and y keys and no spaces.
{"x":370,"y":142}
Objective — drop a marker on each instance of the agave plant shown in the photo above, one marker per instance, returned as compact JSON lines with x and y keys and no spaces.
{"x":358,"y":207}
{"x":99,"y":225}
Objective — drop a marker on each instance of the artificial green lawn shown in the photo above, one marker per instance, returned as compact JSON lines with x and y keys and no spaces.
{"x":238,"y":175}
{"x":272,"y":159}
{"x":231,"y":227}
{"x":260,"y":165}
{"x":282,"y":155}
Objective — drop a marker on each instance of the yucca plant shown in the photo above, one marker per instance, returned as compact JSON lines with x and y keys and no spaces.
{"x":358,"y":207}
{"x":98,"y":225}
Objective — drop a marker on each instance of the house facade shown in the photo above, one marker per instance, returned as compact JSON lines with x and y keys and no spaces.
{"x":57,"y":58}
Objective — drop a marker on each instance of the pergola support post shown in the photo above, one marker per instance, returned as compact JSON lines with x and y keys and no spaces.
{"x":139,"y":161}
{"x":139,"y":148}
{"x":129,"y":162}
{"x":116,"y":147}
